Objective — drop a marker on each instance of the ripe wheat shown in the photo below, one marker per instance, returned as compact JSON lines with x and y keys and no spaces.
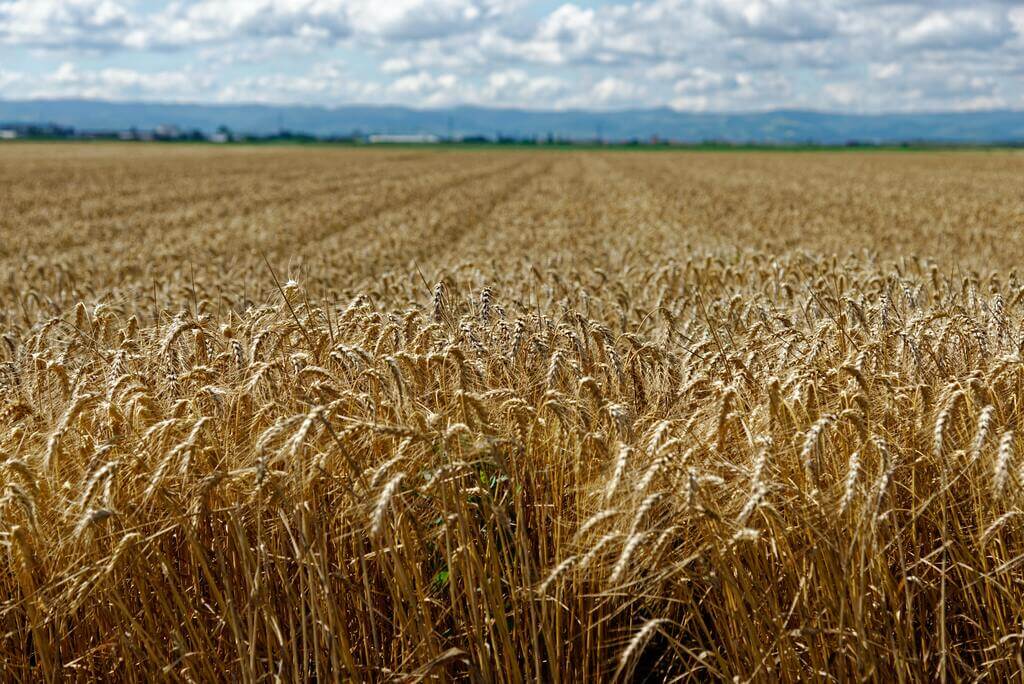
{"x":403,"y":415}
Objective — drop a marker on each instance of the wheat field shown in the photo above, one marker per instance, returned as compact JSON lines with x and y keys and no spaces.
{"x":414,"y":415}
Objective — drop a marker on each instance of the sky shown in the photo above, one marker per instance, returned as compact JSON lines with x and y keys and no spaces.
{"x":691,"y":55}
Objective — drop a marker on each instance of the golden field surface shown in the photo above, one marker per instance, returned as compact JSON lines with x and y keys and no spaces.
{"x":425,"y":415}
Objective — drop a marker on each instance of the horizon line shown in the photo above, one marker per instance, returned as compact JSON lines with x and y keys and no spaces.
{"x":517,"y":108}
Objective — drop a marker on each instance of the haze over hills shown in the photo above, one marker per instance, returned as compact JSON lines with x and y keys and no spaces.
{"x":779,"y":126}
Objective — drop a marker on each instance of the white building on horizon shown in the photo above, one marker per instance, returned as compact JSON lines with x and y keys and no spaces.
{"x":414,"y":138}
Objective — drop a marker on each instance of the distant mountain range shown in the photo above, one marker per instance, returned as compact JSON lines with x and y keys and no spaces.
{"x":780,"y":126}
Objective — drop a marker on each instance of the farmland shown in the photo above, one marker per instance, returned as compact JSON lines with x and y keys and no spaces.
{"x":420,"y":415}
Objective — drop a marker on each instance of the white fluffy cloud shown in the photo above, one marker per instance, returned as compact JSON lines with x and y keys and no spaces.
{"x":514,"y":86}
{"x":612,"y":90}
{"x":123,"y":83}
{"x":227,"y":21}
{"x":699,"y":54}
{"x":969,"y":28}
{"x":421,"y":19}
{"x":323,"y":21}
{"x":774,"y":19}
{"x":95,"y":24}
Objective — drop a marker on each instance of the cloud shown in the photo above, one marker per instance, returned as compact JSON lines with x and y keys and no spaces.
{"x":958,"y":29}
{"x":699,"y":54}
{"x":421,"y":19}
{"x":515,"y":86}
{"x":603,"y":36}
{"x":843,"y":94}
{"x":700,"y":81}
{"x":222,"y":21}
{"x":396,"y":65}
{"x":68,"y":80}
{"x":255,"y":53}
{"x":322,"y":21}
{"x":922,"y":86}
{"x":612,"y":91}
{"x":887,"y":71}
{"x":773,"y":19}
{"x":86,"y":24}
{"x":324,"y":84}
{"x":8,"y":78}
{"x":704,"y":90}
{"x":426,"y":89}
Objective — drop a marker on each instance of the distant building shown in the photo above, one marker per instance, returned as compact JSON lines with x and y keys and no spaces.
{"x":220,"y":138}
{"x":8,"y":134}
{"x":167,"y":132}
{"x":415,"y":139}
